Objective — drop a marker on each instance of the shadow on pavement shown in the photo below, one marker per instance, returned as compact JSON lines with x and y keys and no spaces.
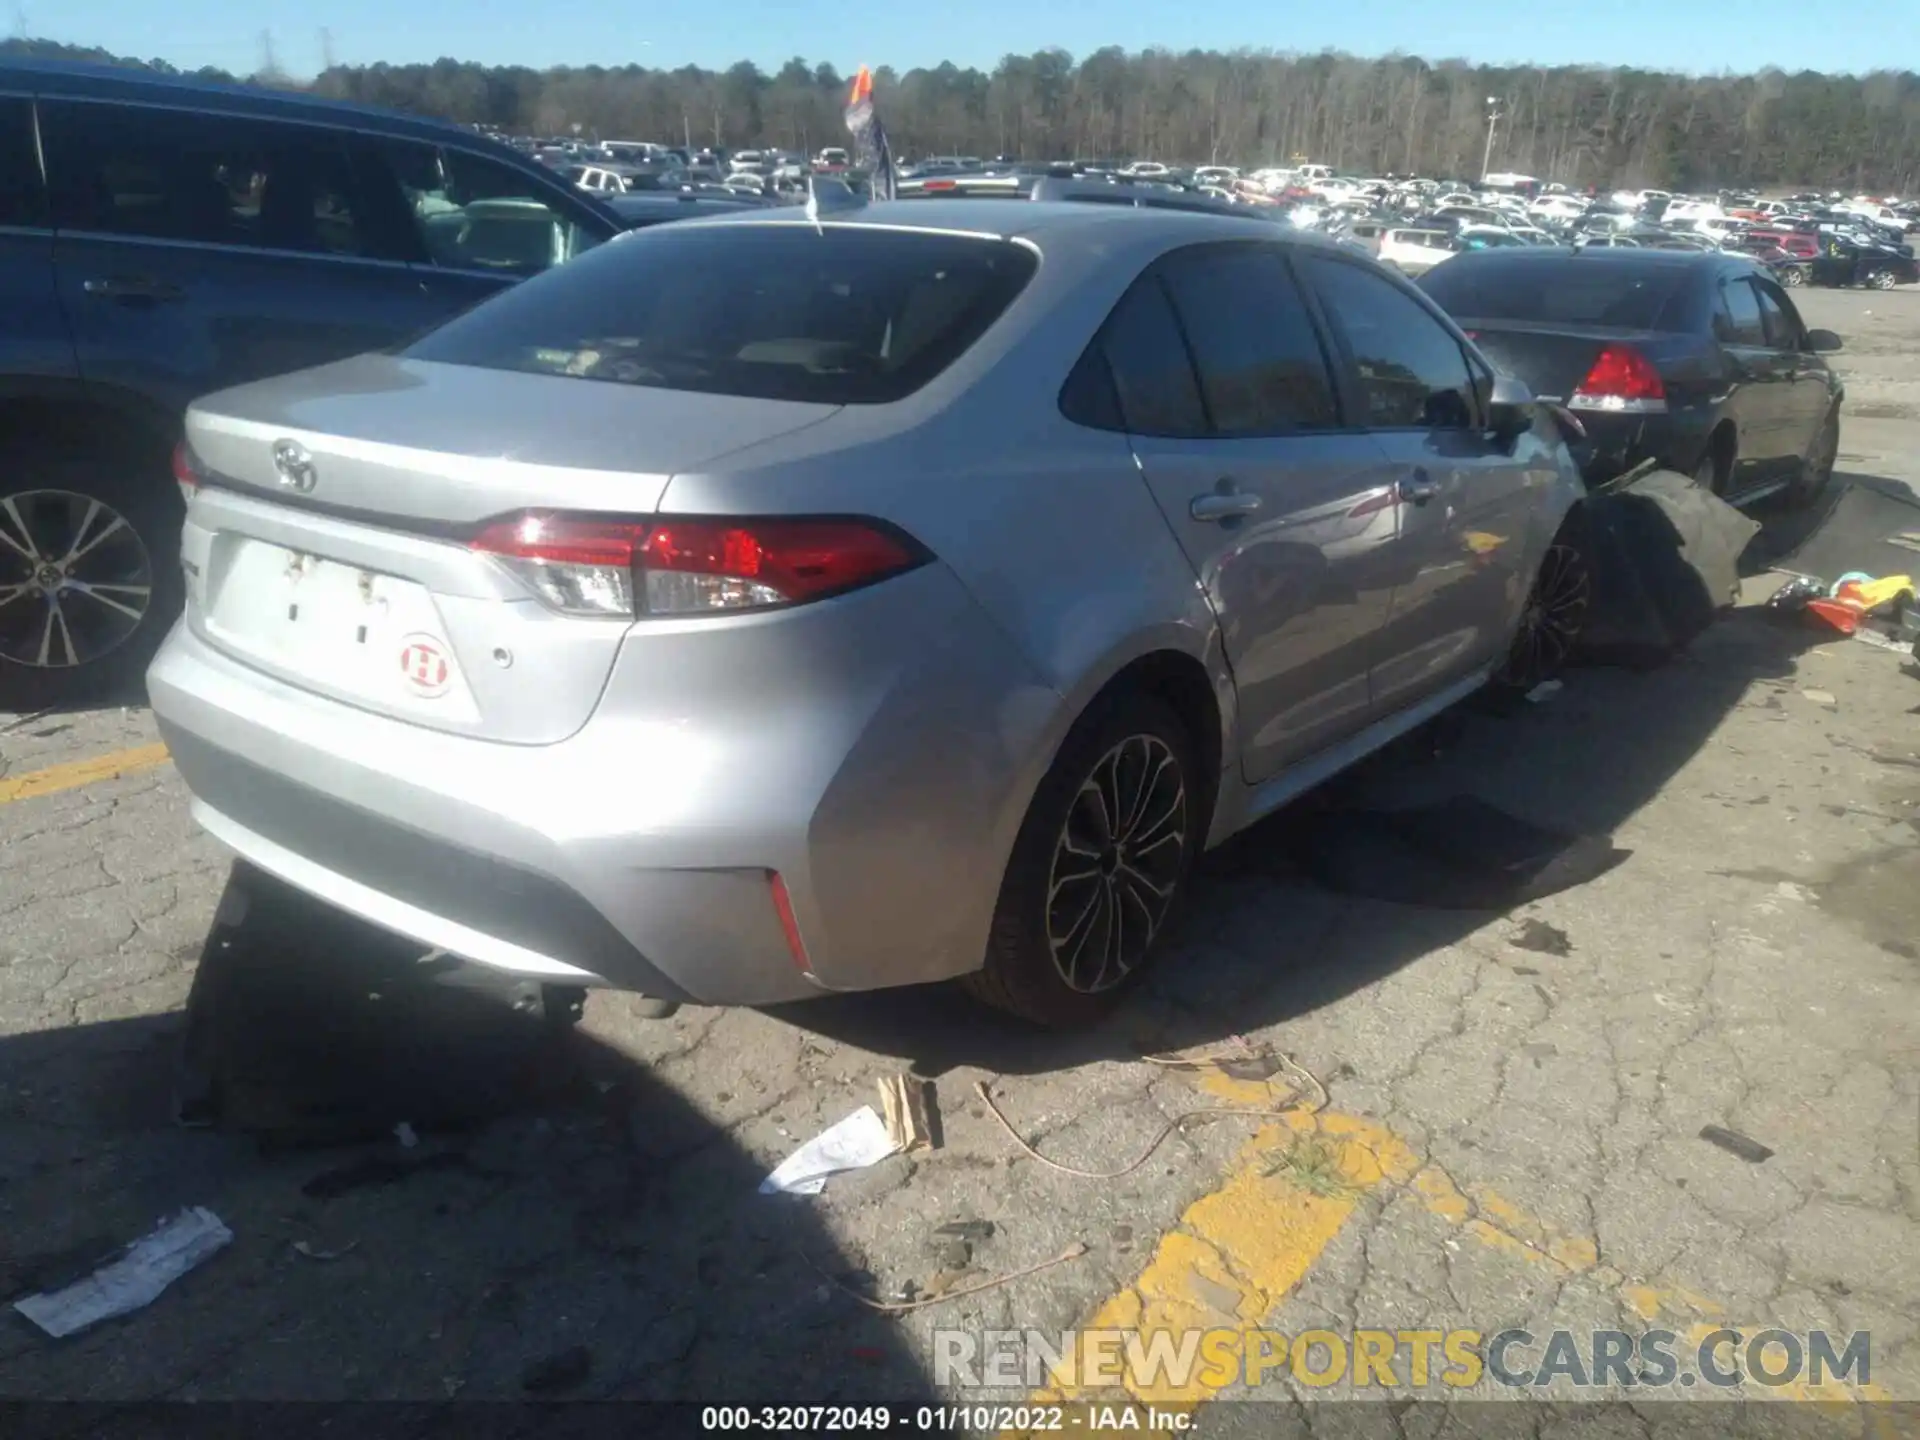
{"x":529,"y":1244}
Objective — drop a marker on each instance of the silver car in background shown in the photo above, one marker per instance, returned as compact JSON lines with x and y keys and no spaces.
{"x":768,"y":606}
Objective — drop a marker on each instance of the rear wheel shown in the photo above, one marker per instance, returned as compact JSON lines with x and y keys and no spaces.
{"x":1793,"y":276}
{"x":1099,"y":868}
{"x":89,"y":570}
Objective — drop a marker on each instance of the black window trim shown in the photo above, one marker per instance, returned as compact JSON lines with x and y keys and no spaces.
{"x":1350,"y":368}
{"x":40,"y":161}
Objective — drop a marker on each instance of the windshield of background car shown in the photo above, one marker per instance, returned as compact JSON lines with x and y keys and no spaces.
{"x":843,"y":315}
{"x":1559,"y":291}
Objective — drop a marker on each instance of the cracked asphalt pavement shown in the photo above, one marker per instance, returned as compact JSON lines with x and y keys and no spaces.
{"x":1503,"y":1125}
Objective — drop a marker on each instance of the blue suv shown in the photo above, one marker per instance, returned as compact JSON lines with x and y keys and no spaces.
{"x":162,"y":238}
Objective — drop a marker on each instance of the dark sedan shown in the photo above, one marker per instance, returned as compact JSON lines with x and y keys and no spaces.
{"x":1697,"y":361}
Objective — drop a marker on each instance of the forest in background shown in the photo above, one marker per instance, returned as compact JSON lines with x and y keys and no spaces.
{"x":1578,"y":124}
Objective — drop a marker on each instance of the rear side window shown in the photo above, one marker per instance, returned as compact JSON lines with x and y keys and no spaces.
{"x":476,"y":213}
{"x":848,"y":315}
{"x":1412,"y":371}
{"x":1152,"y":372}
{"x":1564,"y":290}
{"x":22,"y":200}
{"x":1262,"y":371}
{"x":212,"y":179}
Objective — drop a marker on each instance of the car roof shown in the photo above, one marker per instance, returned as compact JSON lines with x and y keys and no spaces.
{"x":79,"y":80}
{"x":1057,"y":222}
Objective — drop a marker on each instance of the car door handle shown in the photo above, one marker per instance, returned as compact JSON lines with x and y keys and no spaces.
{"x":133,"y":287}
{"x":1223,"y":505}
{"x":1418,"y":488}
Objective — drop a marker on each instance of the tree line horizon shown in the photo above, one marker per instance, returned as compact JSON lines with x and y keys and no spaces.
{"x":1580,"y":125}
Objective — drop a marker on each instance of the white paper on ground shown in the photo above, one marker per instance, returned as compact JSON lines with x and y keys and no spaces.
{"x":856,"y":1142}
{"x":149,"y":1265}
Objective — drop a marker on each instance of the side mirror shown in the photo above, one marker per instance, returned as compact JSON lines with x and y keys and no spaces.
{"x":1510,"y":409}
{"x":1822,"y":342}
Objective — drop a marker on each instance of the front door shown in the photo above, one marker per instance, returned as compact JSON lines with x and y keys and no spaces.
{"x":1463,"y":499}
{"x":1285,"y":514}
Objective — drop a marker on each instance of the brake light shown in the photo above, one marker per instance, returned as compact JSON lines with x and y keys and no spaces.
{"x":789,"y":923}
{"x":1621,"y":379}
{"x":932,"y":185}
{"x":594,"y":565}
{"x":184,"y":472}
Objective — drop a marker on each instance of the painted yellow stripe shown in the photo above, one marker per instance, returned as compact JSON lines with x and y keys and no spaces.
{"x":1237,"y":1252}
{"x":76,"y":773}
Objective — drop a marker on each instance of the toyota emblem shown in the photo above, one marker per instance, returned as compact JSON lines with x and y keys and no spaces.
{"x":293,"y":465}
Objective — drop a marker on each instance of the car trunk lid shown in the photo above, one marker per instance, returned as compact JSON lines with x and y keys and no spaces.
{"x":330,"y":543}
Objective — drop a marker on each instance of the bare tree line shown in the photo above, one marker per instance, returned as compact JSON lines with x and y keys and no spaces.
{"x":1578,"y":124}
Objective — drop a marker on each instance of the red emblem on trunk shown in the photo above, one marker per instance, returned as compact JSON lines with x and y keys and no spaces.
{"x":424,"y":664}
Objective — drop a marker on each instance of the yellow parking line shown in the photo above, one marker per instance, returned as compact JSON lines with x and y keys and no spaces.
{"x":76,"y":773}
{"x":1237,"y":1252}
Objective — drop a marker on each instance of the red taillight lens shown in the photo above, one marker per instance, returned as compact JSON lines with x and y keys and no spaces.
{"x":930,"y":186}
{"x":1621,"y":379}
{"x":184,"y":471}
{"x":586,"y":565}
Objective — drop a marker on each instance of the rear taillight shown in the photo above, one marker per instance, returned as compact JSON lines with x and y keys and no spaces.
{"x":1621,"y":380}
{"x":184,"y":471}
{"x":587,"y":565}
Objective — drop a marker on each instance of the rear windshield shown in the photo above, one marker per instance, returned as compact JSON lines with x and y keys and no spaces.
{"x":1559,"y":291}
{"x":843,"y":315}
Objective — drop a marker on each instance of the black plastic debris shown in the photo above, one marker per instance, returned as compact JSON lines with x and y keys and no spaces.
{"x":1541,"y":938}
{"x":972,"y":1231}
{"x":1663,"y":554}
{"x":375,"y":1171}
{"x":1734,"y":1143}
{"x":1461,"y":853}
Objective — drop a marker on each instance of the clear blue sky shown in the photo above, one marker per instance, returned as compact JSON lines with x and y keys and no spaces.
{"x":1701,"y":36}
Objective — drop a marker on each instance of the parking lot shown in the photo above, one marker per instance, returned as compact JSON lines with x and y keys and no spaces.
{"x":1472,"y":1120}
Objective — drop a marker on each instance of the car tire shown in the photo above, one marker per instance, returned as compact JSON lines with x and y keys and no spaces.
{"x":1793,"y":277}
{"x":1816,"y":467}
{"x":1555,"y":614}
{"x":1882,"y":280}
{"x":1055,"y":954}
{"x":112,"y":514}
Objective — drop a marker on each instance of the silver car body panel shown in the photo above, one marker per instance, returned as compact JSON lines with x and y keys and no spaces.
{"x":610,"y":803}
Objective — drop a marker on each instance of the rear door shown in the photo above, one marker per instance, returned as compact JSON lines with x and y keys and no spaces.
{"x":1762,"y":401}
{"x":1285,"y":513}
{"x":1464,"y":501}
{"x":196,"y":250}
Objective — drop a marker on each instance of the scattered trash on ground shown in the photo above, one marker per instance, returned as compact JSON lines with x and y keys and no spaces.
{"x":313,"y":1252}
{"x":1545,"y":691}
{"x":1541,"y":938}
{"x":860,"y":1140}
{"x":562,"y":1370}
{"x":1846,"y":606}
{"x":926,"y":1297}
{"x":1821,"y":697}
{"x":911,"y":1109}
{"x":1736,"y":1144}
{"x":135,"y":1279}
{"x":972,"y":1231}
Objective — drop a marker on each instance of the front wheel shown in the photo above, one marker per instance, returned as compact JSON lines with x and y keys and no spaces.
{"x":1099,"y":869}
{"x":1793,"y":277}
{"x":1555,"y":615}
{"x":1882,"y":280}
{"x":1816,"y":467}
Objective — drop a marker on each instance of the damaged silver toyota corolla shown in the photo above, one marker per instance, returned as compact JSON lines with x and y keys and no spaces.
{"x":766,"y":606}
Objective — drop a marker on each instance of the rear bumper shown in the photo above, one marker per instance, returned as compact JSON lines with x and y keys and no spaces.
{"x":1614,"y":444}
{"x":875,"y":751}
